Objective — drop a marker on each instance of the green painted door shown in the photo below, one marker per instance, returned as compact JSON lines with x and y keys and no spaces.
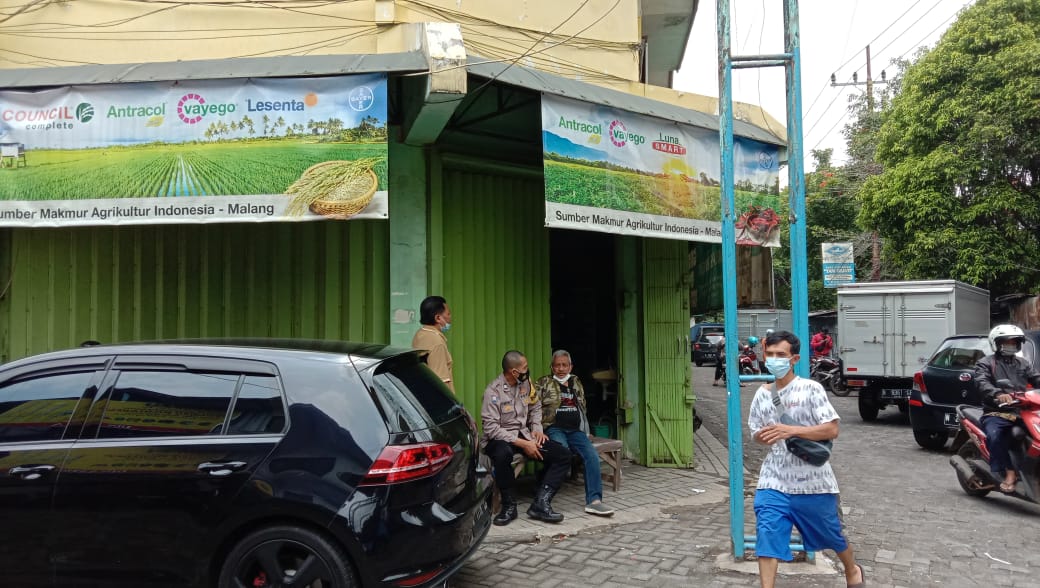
{"x":666,"y":328}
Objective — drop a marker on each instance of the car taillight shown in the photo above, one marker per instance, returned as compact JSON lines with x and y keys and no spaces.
{"x":404,"y":463}
{"x":697,"y":346}
{"x":919,"y":383}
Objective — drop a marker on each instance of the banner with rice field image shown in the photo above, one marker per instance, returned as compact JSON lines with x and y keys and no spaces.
{"x":208,"y":151}
{"x":614,"y":171}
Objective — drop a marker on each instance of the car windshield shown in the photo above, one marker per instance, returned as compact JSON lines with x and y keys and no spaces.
{"x":960,"y":353}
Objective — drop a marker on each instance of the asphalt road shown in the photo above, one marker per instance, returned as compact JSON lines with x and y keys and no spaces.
{"x":906,"y":517}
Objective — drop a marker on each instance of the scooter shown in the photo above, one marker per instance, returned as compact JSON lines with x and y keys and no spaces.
{"x":971,"y":458}
{"x":827,"y":371}
{"x":748,"y":361}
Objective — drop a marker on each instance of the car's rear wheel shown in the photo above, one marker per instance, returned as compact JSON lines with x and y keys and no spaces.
{"x":931,"y":440}
{"x":287,"y":556}
{"x":698,"y":362}
{"x":969,"y":452}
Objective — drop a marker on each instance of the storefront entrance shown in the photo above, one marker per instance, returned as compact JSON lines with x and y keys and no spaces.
{"x":584,"y":318}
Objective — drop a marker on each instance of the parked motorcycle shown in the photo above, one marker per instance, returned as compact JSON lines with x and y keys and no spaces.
{"x":827,"y":371}
{"x":748,"y":361}
{"x":971,"y":458}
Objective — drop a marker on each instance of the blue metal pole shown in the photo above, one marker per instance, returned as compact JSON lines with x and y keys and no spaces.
{"x":796,"y":184}
{"x":729,"y":283}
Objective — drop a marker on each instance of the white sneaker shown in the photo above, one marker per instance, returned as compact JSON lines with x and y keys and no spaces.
{"x":599,"y":509}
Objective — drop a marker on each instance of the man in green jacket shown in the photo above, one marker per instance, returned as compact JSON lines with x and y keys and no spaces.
{"x":564,"y":421}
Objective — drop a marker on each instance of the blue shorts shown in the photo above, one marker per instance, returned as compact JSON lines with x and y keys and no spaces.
{"x":815,"y":515}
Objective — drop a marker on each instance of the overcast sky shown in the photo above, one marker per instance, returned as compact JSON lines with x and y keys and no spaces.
{"x":834,"y":35}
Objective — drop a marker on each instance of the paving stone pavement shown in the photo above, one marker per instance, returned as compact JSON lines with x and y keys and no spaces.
{"x":905,"y":515}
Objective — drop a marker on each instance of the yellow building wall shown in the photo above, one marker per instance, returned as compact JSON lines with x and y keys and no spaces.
{"x":593,"y":41}
{"x":596,"y":42}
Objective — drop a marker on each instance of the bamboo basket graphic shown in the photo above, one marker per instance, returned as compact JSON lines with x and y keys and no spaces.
{"x":334,"y":189}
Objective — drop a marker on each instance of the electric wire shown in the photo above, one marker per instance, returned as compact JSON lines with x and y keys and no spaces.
{"x":905,"y":31}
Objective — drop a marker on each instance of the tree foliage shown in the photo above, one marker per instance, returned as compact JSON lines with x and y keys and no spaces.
{"x":960,"y":145}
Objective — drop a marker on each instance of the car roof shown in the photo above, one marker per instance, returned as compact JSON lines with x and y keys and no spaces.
{"x":363,"y":355}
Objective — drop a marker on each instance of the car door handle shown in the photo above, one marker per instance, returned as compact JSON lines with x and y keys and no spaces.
{"x":223,"y":468}
{"x":33,"y":472}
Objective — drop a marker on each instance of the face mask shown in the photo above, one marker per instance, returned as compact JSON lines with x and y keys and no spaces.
{"x":778,"y":366}
{"x":446,"y":327}
{"x":561,"y":379}
{"x":522,"y":376}
{"x":1009,"y":348}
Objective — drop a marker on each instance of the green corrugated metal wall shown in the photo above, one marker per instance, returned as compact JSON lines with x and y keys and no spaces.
{"x":495,"y":275}
{"x":666,"y":312}
{"x":324,"y":280}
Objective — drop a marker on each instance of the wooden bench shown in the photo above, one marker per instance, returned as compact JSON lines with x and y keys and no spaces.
{"x":609,"y":451}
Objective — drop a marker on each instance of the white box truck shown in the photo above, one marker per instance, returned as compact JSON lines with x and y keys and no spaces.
{"x":889,"y":330}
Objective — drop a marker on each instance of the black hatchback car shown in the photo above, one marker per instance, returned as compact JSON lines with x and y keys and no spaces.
{"x":246,"y":463}
{"x":948,"y":380}
{"x":704,"y":337}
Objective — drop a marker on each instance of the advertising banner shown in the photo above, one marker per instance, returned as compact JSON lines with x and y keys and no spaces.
{"x":237,"y":150}
{"x":613,"y":171}
{"x":839,"y":266}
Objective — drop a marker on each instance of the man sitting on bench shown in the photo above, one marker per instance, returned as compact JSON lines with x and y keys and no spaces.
{"x":564,"y":421}
{"x":513,"y":424}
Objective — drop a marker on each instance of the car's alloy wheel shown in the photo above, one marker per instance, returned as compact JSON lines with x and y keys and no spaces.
{"x":286,"y":556}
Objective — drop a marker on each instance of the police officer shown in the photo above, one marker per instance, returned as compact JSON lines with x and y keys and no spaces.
{"x":513,"y":424}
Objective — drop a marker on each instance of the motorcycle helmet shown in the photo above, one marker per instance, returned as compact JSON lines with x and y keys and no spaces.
{"x":1006,"y":334}
{"x":769,"y":332}
{"x":752,"y":340}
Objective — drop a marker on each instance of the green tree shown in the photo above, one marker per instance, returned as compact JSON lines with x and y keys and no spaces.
{"x":958,"y":197}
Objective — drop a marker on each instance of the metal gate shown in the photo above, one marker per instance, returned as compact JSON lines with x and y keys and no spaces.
{"x":666,"y":328}
{"x":320,"y":280}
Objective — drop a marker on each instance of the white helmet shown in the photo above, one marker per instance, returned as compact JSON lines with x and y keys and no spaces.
{"x":1001,"y":332}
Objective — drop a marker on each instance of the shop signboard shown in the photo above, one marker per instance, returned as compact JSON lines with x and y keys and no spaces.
{"x":614,"y":171}
{"x":839,"y":265}
{"x":206,"y":151}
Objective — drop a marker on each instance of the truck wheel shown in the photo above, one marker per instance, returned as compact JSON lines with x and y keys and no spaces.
{"x":931,"y":440}
{"x":868,"y":407}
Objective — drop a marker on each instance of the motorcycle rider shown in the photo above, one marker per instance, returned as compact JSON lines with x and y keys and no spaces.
{"x":1006,"y":341}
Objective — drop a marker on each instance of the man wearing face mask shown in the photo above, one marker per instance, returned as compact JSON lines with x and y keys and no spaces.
{"x":512,"y":424}
{"x":1005,"y":364}
{"x":792,"y":492}
{"x":564,"y":419}
{"x":435,"y":318}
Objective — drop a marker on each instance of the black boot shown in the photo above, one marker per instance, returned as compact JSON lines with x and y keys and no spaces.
{"x":507,"y":513}
{"x":541,"y":508}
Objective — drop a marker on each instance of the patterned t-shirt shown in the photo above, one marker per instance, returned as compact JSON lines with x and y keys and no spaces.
{"x":805,"y":401}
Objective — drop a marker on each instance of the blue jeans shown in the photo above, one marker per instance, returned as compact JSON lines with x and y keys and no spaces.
{"x":579,"y":444}
{"x":998,"y":439}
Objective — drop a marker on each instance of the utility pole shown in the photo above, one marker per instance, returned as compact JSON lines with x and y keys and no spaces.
{"x":875,"y":256}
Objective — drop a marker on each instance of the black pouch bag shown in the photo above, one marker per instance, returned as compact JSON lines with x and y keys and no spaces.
{"x":815,"y":453}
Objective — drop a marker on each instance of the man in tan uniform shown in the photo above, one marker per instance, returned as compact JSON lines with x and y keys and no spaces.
{"x":513,"y":423}
{"x":435,"y":317}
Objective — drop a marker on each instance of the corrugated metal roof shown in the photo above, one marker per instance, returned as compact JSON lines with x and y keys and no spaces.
{"x":524,"y":77}
{"x":243,"y":67}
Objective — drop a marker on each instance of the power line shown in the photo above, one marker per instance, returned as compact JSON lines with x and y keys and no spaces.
{"x":905,"y":31}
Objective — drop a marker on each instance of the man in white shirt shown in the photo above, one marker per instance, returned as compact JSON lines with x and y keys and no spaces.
{"x":792,"y":492}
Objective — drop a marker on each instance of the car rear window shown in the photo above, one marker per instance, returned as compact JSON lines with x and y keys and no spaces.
{"x":412,"y":397}
{"x":960,"y":353}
